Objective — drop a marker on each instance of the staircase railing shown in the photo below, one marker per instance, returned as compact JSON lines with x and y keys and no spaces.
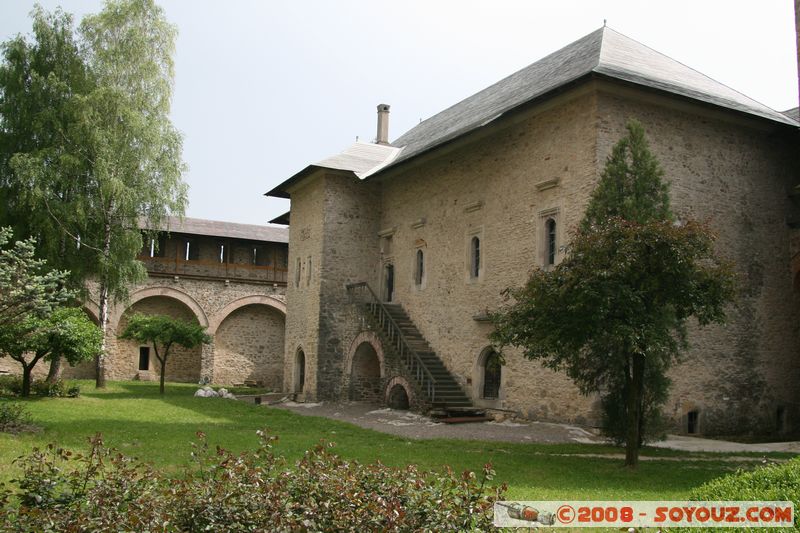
{"x":359,"y":292}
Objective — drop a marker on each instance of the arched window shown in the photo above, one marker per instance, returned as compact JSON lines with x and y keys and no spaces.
{"x":550,"y":238}
{"x":491,"y":376}
{"x":419,"y":271}
{"x":475,"y":257}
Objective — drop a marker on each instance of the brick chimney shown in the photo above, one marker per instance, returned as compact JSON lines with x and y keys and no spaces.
{"x":383,"y":124}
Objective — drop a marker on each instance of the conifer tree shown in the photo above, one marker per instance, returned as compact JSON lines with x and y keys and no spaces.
{"x":613,"y":313}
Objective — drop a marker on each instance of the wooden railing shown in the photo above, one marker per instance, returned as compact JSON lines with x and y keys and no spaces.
{"x":206,"y":268}
{"x":362,"y":293}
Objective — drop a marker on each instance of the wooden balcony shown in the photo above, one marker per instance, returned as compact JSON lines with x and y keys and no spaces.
{"x":205,"y":269}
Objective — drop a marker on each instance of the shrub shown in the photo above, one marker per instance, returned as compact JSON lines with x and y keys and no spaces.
{"x":14,"y":418}
{"x":778,"y":482}
{"x":251,"y":491}
{"x":10,"y":386}
{"x":55,"y":389}
{"x":74,"y":391}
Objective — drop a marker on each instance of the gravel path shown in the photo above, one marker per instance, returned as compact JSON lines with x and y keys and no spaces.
{"x":414,"y":426}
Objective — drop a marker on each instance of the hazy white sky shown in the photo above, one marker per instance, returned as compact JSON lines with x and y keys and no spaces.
{"x":263,"y":88}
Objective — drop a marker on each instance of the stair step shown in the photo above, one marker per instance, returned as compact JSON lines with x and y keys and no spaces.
{"x":447,"y":392}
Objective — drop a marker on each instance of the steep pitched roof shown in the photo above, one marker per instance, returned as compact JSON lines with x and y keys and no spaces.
{"x":216,"y":228}
{"x":603,"y":51}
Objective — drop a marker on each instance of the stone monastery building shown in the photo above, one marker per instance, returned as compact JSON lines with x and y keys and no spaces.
{"x":397,"y":250}
{"x":379,"y":289}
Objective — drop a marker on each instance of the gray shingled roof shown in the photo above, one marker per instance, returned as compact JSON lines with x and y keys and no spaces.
{"x":604,"y":51}
{"x":216,"y":228}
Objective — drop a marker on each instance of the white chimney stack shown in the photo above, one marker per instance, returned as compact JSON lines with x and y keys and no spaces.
{"x":383,"y":124}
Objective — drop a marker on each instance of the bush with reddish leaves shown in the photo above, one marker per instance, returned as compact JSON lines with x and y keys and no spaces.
{"x":252,"y":491}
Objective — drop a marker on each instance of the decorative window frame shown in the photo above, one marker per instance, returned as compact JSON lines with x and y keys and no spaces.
{"x":419,"y":281}
{"x":555,"y":214}
{"x":473,"y":233}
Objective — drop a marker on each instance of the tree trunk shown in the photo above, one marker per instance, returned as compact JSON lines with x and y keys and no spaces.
{"x":26,"y":380}
{"x":100,"y":359}
{"x":163,"y":375}
{"x":634,"y":402}
{"x":54,"y":374}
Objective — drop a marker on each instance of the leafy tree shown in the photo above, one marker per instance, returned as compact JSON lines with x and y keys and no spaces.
{"x":108,"y":157}
{"x":163,"y":332}
{"x":27,"y":289}
{"x":42,"y":178}
{"x":67,"y":332}
{"x":613,"y":313}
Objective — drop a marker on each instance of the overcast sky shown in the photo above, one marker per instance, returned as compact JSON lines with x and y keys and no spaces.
{"x":263,"y":88}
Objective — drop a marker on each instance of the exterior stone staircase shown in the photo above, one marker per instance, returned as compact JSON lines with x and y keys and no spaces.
{"x":403,"y":340}
{"x":448,"y":393}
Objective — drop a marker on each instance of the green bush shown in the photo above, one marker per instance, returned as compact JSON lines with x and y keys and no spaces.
{"x":10,"y":386}
{"x":251,"y":491}
{"x":14,"y":417}
{"x":56,"y":389}
{"x":777,"y":482}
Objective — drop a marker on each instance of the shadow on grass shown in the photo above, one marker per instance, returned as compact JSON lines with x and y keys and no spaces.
{"x":167,"y":444}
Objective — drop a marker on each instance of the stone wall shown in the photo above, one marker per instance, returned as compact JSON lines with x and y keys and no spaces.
{"x":350,"y":254}
{"x":302,"y":291}
{"x":735,"y":174}
{"x":542,"y":164}
{"x":249,"y":347}
{"x":501,"y":189}
{"x":246,"y":321}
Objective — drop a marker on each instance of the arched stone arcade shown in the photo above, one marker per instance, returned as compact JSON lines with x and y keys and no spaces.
{"x":247,"y":332}
{"x":248,"y":346}
{"x":127,"y":357}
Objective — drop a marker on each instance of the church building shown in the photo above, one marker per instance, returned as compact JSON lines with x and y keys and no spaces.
{"x":397,"y":250}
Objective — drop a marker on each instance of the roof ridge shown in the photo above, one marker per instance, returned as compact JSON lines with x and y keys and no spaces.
{"x":503,"y":80}
{"x":681,"y":63}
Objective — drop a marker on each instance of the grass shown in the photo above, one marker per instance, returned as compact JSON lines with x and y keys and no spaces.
{"x":138,"y":422}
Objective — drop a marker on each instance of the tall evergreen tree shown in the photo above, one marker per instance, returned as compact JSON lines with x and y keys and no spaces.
{"x":613,"y":313}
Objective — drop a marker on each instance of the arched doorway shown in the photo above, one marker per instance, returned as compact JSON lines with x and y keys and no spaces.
{"x":299,"y":371}
{"x":365,"y":374}
{"x":398,"y":397}
{"x":491,"y":376}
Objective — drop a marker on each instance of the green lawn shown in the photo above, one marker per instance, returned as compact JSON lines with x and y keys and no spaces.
{"x":135,"y":420}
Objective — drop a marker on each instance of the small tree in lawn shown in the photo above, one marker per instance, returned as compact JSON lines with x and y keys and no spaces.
{"x":613,"y":313}
{"x":67,"y":333}
{"x":164,"y":332}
